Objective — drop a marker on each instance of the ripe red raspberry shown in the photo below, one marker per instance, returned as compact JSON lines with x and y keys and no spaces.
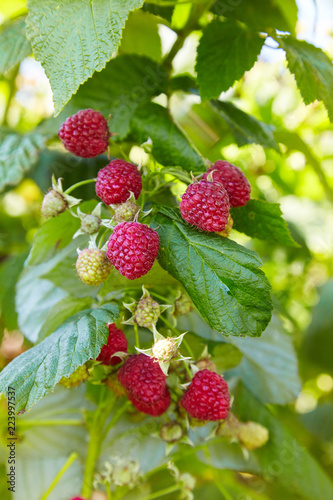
{"x":85,"y":134}
{"x":143,"y":378}
{"x":117,"y":342}
{"x":205,"y":204}
{"x":132,"y":249}
{"x":233,"y":180}
{"x":116,"y":181}
{"x":207,"y":397}
{"x":156,"y":409}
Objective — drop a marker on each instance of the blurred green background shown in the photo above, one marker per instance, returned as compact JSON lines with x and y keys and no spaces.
{"x":301,"y":180}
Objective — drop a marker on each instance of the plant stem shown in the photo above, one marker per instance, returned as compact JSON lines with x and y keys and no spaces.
{"x":115,"y":418}
{"x":161,"y":493}
{"x":137,"y":341}
{"x":78,"y":184}
{"x":169,"y":325}
{"x":108,"y":491}
{"x":165,"y":299}
{"x":62,"y":471}
{"x":42,"y":423}
{"x":101,"y":414}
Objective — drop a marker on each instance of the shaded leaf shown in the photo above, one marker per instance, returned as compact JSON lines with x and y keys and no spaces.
{"x":74,"y":38}
{"x":313,"y":71}
{"x":133,"y":42}
{"x":10,"y":271}
{"x":18,"y":154}
{"x":225,"y":52}
{"x":34,"y":373}
{"x":170,"y":146}
{"x":245,"y":128}
{"x":14,"y":44}
{"x":223,"y":279}
{"x":263,"y":220}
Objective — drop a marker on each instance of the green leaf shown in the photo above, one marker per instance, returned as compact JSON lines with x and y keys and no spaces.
{"x":318,"y":341}
{"x":44,"y":449}
{"x":18,"y":153}
{"x":126,"y":82}
{"x":225,"y":52}
{"x":10,"y":271}
{"x":62,"y":310}
{"x":269,"y":367}
{"x":245,"y":128}
{"x":74,"y":38}
{"x":223,"y":279}
{"x":263,"y":220}
{"x":34,"y":373}
{"x":279,"y":14}
{"x":283,"y":459}
{"x":170,"y":146}
{"x":313,"y":71}
{"x":133,"y":40}
{"x":54,"y":235}
{"x":14,"y":44}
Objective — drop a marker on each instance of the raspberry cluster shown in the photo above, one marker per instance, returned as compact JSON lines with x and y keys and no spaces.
{"x":205,"y":204}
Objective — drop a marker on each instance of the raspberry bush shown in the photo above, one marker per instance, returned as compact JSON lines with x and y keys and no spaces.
{"x":160,"y":328}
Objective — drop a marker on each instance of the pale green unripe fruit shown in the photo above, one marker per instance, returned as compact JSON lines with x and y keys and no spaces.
{"x":53,"y":204}
{"x":147,"y":312}
{"x":93,"y":266}
{"x":90,"y":224}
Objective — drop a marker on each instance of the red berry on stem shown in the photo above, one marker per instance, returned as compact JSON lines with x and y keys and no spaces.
{"x":85,"y":134}
{"x":117,"y":342}
{"x":143,"y":378}
{"x":207,"y":397}
{"x":205,"y":205}
{"x":233,"y":180}
{"x":155,"y":409}
{"x":116,"y":181}
{"x":132,"y":249}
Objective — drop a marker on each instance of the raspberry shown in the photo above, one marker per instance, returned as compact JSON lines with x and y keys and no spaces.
{"x":116,"y":181}
{"x":117,"y":342}
{"x":205,"y":205}
{"x":132,"y":249}
{"x":183,"y":305}
{"x":53,"y":204}
{"x":171,"y":432}
{"x":143,"y":378}
{"x":90,"y":224}
{"x":93,"y":266}
{"x":115,"y":386}
{"x":80,"y":375}
{"x":126,"y":212}
{"x":164,"y":350}
{"x":147,"y":312}
{"x":85,"y":134}
{"x":229,"y":427}
{"x":207,"y":397}
{"x":154,"y":409}
{"x":233,"y":180}
{"x":252,"y":435}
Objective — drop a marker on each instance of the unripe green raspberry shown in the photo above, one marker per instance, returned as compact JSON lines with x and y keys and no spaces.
{"x":183,"y":305}
{"x":206,"y":363}
{"x":126,"y":212}
{"x":115,"y":386}
{"x":90,"y":224}
{"x":171,"y":432}
{"x":229,"y":427}
{"x":93,"y":266}
{"x":147,"y":312}
{"x":53,"y":204}
{"x":227,"y":230}
{"x":80,"y":375}
{"x":126,"y":473}
{"x":253,"y":435}
{"x":165,"y":349}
